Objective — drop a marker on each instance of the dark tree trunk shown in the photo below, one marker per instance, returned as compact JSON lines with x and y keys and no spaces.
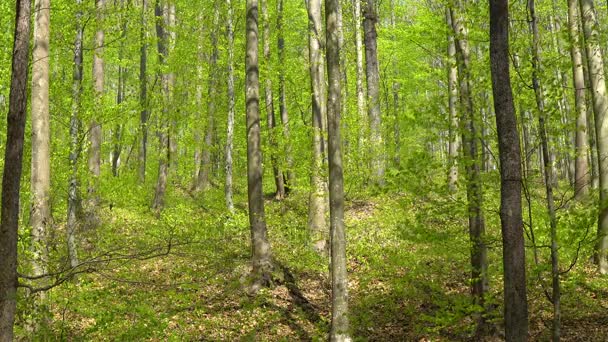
{"x":514,"y":259}
{"x":13,"y":165}
{"x":143,"y":93}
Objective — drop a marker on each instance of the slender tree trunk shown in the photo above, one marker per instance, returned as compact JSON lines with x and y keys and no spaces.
{"x":161,"y":13}
{"x":339,"y":313}
{"x":41,"y":134}
{"x":548,"y":175}
{"x":318,"y":224}
{"x":288,"y":150}
{"x":581,"y":168}
{"x":143,"y":93}
{"x":261,"y":256}
{"x":270,"y":115}
{"x":203,"y":182}
{"x":514,"y":259}
{"x":361,"y":96}
{"x":600,"y":106}
{"x":454,"y":141}
{"x":95,"y":125}
{"x":479,"y":258}
{"x":11,"y":179}
{"x":120,"y":95}
{"x":74,"y":201}
{"x":230,"y":125}
{"x":373,"y":91}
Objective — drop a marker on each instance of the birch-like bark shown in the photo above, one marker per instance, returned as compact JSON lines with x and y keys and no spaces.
{"x":454,"y":140}
{"x":230,"y":125}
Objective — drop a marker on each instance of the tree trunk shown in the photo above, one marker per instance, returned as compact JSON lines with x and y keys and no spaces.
{"x":161,"y":13}
{"x":11,"y":179}
{"x":600,"y":106}
{"x":581,"y":167}
{"x":270,"y":115}
{"x":548,"y":175}
{"x":261,"y":260}
{"x":479,"y":251}
{"x":120,"y":95}
{"x":454,"y":141}
{"x":41,"y":134}
{"x":291,"y":177}
{"x":143,"y":93}
{"x":203,"y":182}
{"x":373,"y":91}
{"x":361,"y":96}
{"x":514,"y":260}
{"x":95,"y":126}
{"x":339,"y":315}
{"x":230,"y":125}
{"x":318,"y":201}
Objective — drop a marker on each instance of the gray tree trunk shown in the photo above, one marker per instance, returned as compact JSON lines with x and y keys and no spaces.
{"x":581,"y":166}
{"x":514,"y":259}
{"x":454,"y":140}
{"x":95,"y":125}
{"x":40,"y":218}
{"x":318,"y":224}
{"x":600,"y":106}
{"x":339,"y":294}
{"x":13,"y":165}
{"x":261,"y":256}
{"x":361,"y":95}
{"x":470,"y":139}
{"x":373,"y":91}
{"x":230,"y":125}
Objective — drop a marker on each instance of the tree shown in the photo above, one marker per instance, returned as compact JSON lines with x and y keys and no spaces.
{"x":317,"y":202}
{"x":260,"y":246}
{"x":359,"y":47}
{"x":454,"y":141}
{"x":339,"y":289}
{"x":370,"y":18}
{"x":95,"y":126}
{"x":143,"y":93}
{"x":230,"y":125}
{"x":479,"y":249}
{"x":11,"y":177}
{"x":600,"y":107}
{"x":581,"y":168}
{"x":40,"y":218}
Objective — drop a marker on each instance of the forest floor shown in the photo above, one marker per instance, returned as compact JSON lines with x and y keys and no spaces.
{"x":180,"y":277}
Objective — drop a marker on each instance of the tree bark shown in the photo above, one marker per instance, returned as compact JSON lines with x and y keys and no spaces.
{"x":230,"y":125}
{"x":270,"y":115}
{"x":454,"y":141}
{"x":143,"y":93}
{"x":548,"y":175}
{"x":318,"y":201}
{"x":339,"y":314}
{"x":288,"y":150}
{"x":373,"y":91}
{"x":13,"y":166}
{"x":581,"y":166}
{"x":600,"y":106}
{"x":41,"y":157}
{"x":261,"y":256}
{"x":479,"y":250}
{"x":361,"y":96}
{"x":161,"y":13}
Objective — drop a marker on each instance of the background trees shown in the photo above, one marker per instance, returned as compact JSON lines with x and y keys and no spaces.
{"x":173,"y":85}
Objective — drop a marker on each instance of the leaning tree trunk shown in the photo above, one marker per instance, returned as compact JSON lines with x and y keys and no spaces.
{"x":479,"y":250}
{"x":600,"y":106}
{"x":339,"y":315}
{"x":230,"y":125}
{"x":373,"y":91}
{"x":317,"y":203}
{"x":41,"y":157}
{"x":514,"y":259}
{"x":11,"y":178}
{"x":581,"y":166}
{"x":261,"y":260}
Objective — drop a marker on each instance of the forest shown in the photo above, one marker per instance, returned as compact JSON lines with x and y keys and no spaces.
{"x":303,"y":170}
